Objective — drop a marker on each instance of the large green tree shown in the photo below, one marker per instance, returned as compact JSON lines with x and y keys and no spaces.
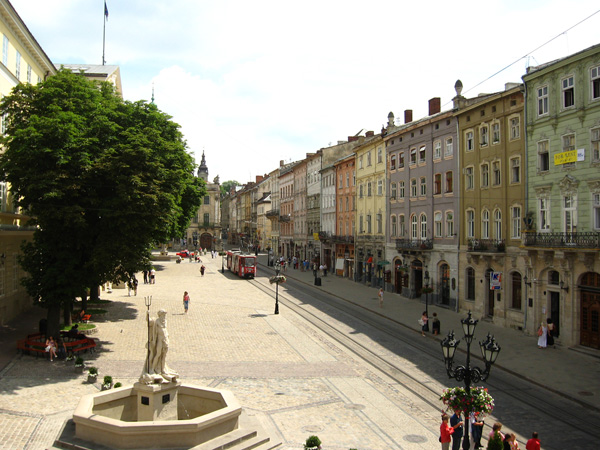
{"x":104,"y":179}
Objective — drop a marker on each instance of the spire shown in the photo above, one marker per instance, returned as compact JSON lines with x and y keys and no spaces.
{"x":152,"y":93}
{"x":203,"y":170}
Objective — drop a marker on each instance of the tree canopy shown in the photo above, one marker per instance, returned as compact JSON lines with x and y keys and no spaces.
{"x":226,"y":187}
{"x":104,"y":179}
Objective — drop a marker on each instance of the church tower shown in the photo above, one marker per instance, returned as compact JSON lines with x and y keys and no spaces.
{"x":203,"y":169}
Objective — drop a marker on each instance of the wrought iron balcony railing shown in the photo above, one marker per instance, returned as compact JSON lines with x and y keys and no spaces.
{"x":272,"y":213}
{"x":562,"y":240}
{"x":486,"y":245}
{"x":342,"y":239}
{"x":416,"y":244}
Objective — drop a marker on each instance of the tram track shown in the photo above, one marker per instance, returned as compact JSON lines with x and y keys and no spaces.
{"x":546,"y":409}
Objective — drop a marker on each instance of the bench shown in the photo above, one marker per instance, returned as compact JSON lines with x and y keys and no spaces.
{"x":36,"y":344}
{"x":81,"y":316}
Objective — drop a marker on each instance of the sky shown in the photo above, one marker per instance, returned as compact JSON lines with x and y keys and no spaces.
{"x":252,"y":83}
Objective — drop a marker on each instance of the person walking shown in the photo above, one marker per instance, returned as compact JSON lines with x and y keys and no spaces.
{"x":435,"y":324}
{"x":145,"y":277}
{"x":457,"y":423}
{"x":446,"y":431}
{"x":476,"y":425}
{"x":534,"y":443}
{"x":202,"y":269}
{"x":135,"y":285}
{"x":550,"y":333}
{"x":186,"y":301}
{"x":380,"y":295}
{"x":152,"y":276}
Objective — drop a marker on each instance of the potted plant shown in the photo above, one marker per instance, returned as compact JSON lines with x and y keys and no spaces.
{"x":79,"y":365}
{"x":495,"y":443}
{"x":312,"y":443}
{"x":477,"y":400}
{"x":277,"y":279}
{"x":426,"y":290}
{"x":107,"y":383}
{"x":92,"y":374}
{"x":117,"y":384}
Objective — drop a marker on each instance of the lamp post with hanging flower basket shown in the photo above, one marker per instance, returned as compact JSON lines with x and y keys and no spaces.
{"x":277,"y":279}
{"x":470,"y":399}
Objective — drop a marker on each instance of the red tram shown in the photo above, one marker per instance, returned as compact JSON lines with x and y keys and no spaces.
{"x":242,"y":265}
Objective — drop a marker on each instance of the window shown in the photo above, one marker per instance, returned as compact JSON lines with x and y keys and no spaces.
{"x":413,"y":227}
{"x":379,"y":220}
{"x":543,"y":214}
{"x":422,"y":154}
{"x":596,"y":212}
{"x":413,"y":155}
{"x":595,"y":80}
{"x":401,"y":160}
{"x":516,"y":291}
{"x":496,"y":173}
{"x":595,"y":144}
{"x":347,"y":203}
{"x":393,"y":226}
{"x":437,"y":150}
{"x":369,"y":159}
{"x":449,"y":186}
{"x":369,"y":223}
{"x":341,"y":181}
{"x":485,"y":175}
{"x":568,"y":142}
{"x":498,"y":224}
{"x":542,"y":95}
{"x":437,"y":219}
{"x":450,"y":224}
{"x":401,"y":189}
{"x":469,"y":184}
{"x":402,"y":225}
{"x":18,"y":66}
{"x":361,"y":228}
{"x":423,"y":222}
{"x":413,"y":187}
{"x":515,"y":170}
{"x":361,"y":191}
{"x":206,"y":218}
{"x":380,"y":187}
{"x":570,"y":213}
{"x":484,"y":135}
{"x":379,"y":155}
{"x":543,"y":156}
{"x":485,"y":224}
{"x":568,"y":92}
{"x":29,"y":73}
{"x":437,"y":184}
{"x":347,"y":180}
{"x":393,"y":190}
{"x":470,"y":219}
{"x":207,"y":200}
{"x":515,"y":218}
{"x":5,"y":51}
{"x":423,"y":186}
{"x":495,"y":132}
{"x":515,"y":128}
{"x":449,"y":147}
{"x":469,"y":141}
{"x":393,"y":162}
{"x":369,"y":189}
{"x":470,"y":284}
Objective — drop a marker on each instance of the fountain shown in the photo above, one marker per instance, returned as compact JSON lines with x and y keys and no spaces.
{"x":159,"y":411}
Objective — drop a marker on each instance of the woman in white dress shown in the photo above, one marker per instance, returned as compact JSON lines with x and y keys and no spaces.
{"x":542,"y":335}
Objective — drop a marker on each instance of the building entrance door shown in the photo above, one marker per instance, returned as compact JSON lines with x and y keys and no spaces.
{"x":590,"y":310}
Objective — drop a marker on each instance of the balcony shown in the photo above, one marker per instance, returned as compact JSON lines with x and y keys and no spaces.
{"x":486,"y":245}
{"x":417,"y":244}
{"x":588,"y":240}
{"x":274,"y":213}
{"x":286,"y":218}
{"x":339,"y":239}
{"x":324,"y":236}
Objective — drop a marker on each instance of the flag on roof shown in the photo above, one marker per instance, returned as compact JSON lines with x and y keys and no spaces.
{"x":105,"y":10}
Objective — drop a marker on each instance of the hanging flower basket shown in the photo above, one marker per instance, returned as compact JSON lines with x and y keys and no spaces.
{"x":277,"y":279}
{"x":457,"y":399}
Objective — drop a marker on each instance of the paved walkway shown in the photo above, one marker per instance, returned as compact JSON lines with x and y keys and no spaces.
{"x":281,"y":370}
{"x":574,"y":373}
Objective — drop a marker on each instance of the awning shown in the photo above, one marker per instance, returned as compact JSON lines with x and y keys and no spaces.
{"x":383,"y":263}
{"x":370,"y":260}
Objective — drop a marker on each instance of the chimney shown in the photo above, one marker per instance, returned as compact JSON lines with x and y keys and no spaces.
{"x":352,"y":138}
{"x":281,"y":163}
{"x":434,"y":106}
{"x":370,"y":134}
{"x":259,"y":178}
{"x":407,"y":115}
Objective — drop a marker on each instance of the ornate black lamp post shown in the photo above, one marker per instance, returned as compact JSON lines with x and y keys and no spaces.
{"x":222,"y":259}
{"x":277,"y":270}
{"x":489,"y":351}
{"x":427,"y":279}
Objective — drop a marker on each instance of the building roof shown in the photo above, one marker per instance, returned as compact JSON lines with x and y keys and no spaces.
{"x":97,"y":72}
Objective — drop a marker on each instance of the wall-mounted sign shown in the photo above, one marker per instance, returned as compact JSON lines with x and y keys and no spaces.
{"x":495,"y":280}
{"x":570,"y":156}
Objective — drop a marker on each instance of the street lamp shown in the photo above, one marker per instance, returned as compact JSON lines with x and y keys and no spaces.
{"x":277,"y":270}
{"x":426,"y":292}
{"x":148,"y":302}
{"x":489,"y":351}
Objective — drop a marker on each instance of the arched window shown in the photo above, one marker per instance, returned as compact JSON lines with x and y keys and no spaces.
{"x":516,"y":291}
{"x":470,"y":295}
{"x":413,"y":226}
{"x":423,"y":221}
{"x":498,"y":224}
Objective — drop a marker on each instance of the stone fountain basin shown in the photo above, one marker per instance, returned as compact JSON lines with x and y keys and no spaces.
{"x":198,"y":414}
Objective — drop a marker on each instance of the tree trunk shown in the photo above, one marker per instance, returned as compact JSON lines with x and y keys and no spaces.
{"x":67,"y":313}
{"x":94,"y":296}
{"x":53,"y":321}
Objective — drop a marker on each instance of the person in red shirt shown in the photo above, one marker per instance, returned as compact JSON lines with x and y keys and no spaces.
{"x":446,"y":431}
{"x":534,"y":442}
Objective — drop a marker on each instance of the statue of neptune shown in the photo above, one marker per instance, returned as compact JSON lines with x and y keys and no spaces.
{"x":156,"y":369}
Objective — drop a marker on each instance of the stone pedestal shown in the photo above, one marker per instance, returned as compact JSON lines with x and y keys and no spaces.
{"x":156,"y":401}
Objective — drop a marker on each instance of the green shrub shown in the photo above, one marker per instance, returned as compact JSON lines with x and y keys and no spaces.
{"x":312,"y":441}
{"x":107,"y":380}
{"x":79,"y":362}
{"x":117,"y":384}
{"x":495,"y":443}
{"x":93,"y":371}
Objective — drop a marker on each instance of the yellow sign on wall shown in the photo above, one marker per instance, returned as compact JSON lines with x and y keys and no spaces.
{"x":316,"y":236}
{"x":570,"y":156}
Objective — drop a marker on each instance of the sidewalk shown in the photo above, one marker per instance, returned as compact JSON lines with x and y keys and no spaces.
{"x":570,"y":373}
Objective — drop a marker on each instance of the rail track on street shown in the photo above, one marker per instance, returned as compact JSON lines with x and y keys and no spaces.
{"x":416,"y":365}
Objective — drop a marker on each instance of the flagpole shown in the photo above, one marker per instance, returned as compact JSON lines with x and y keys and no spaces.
{"x":104,"y":16}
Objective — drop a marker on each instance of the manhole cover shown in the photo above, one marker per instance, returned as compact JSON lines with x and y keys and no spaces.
{"x":312,"y":429}
{"x":415,"y":438}
{"x":586,"y":393}
{"x":354,"y":406}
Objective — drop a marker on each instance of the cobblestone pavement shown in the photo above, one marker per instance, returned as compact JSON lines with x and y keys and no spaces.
{"x":281,"y":370}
